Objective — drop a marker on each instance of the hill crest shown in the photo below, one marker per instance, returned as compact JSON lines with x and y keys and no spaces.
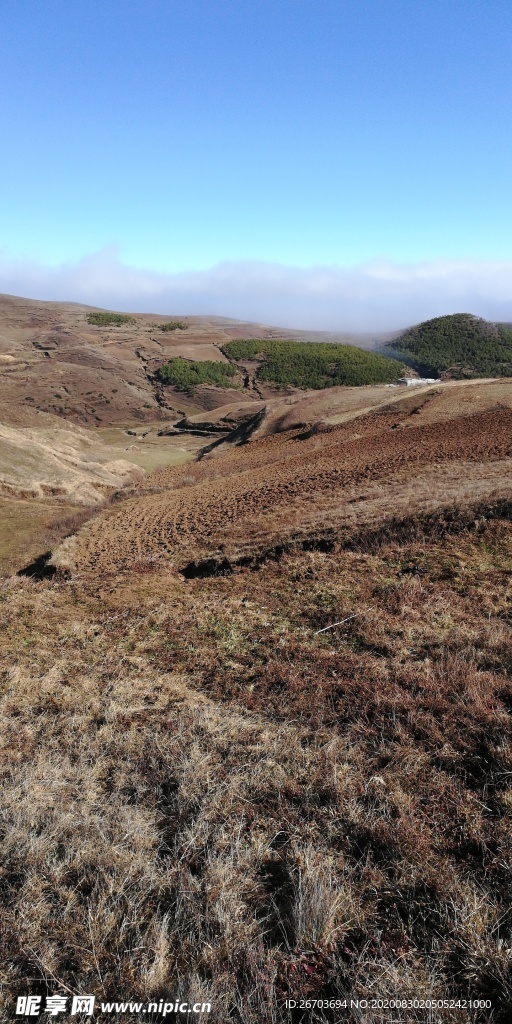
{"x":457,"y":346}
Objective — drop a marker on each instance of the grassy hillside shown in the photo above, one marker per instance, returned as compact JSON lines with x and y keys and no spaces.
{"x":204,"y":794}
{"x":186,"y":375}
{"x":458,"y":346}
{"x":310,"y":365}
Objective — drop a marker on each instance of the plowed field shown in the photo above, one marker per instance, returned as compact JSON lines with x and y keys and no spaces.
{"x":295,"y":485}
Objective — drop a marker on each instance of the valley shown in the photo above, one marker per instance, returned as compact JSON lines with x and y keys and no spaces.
{"x":254,"y":678}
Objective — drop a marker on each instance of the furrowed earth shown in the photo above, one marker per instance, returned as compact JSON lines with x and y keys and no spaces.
{"x":301,"y":486}
{"x":254,"y":683}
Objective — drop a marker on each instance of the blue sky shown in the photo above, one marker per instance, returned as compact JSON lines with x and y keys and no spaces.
{"x":173,"y":136}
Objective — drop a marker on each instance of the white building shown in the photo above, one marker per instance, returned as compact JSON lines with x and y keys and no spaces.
{"x":415,"y":381}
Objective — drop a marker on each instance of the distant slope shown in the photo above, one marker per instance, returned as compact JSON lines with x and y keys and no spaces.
{"x":98,"y":367}
{"x":314,"y":365}
{"x":457,"y":346}
{"x":63,"y":462}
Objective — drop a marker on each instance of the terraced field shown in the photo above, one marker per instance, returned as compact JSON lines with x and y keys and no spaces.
{"x":300,"y":486}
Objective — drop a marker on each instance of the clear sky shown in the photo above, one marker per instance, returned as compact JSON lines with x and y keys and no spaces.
{"x":171,"y":136}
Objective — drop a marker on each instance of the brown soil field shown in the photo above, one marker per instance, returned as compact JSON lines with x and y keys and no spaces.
{"x":296,"y":485}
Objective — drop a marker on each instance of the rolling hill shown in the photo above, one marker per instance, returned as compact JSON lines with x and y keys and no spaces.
{"x":256,"y":704}
{"x":270,"y":488}
{"x":97,"y":368}
{"x":457,"y":346}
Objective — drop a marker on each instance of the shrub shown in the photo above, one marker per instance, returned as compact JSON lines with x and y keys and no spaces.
{"x":106,"y":319}
{"x":173,"y":325}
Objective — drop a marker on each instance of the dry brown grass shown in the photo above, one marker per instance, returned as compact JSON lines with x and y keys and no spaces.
{"x":297,"y":485}
{"x":202,"y":794}
{"x":205,"y":790}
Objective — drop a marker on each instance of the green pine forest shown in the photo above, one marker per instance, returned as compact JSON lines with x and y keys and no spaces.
{"x":185,"y":374}
{"x":311,"y":365}
{"x":457,"y":346}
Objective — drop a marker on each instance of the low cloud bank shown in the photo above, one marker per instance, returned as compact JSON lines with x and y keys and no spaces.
{"x":377,"y":296}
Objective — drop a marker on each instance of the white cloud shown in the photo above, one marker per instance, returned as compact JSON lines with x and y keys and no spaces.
{"x":375,"y":296}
